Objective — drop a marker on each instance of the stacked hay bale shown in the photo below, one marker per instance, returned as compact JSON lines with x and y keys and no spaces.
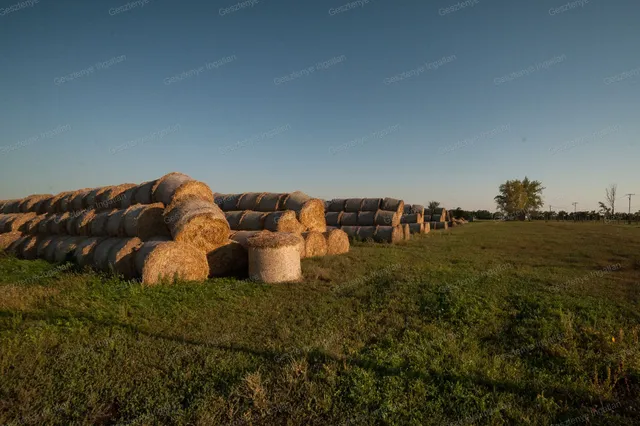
{"x":438,"y":219}
{"x":368,"y":219}
{"x":414,"y":217}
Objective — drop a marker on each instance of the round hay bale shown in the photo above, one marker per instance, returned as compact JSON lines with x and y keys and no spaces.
{"x":115,"y":224}
{"x":229,"y":202}
{"x":111,"y":198}
{"x":9,"y":238}
{"x":270,"y":202}
{"x":275,"y":257}
{"x":417,"y":208}
{"x":121,"y":257}
{"x":337,"y":242}
{"x":427,"y":228}
{"x":353,"y":205}
{"x":392,"y":205}
{"x":371,"y":204}
{"x":310,"y":211}
{"x":333,"y":218}
{"x":416,"y":228}
{"x":387,"y":218}
{"x":439,"y":225}
{"x":234,"y":217}
{"x":411,"y":218}
{"x":250,"y":200}
{"x":29,"y":248}
{"x":14,"y":246}
{"x":77,"y":199}
{"x":351,"y":231}
{"x":32,"y":203}
{"x":43,"y":244}
{"x":349,"y":219}
{"x":41,"y":206}
{"x":366,"y":233}
{"x":406,"y":231}
{"x":12,"y":206}
{"x":145,"y":221}
{"x":83,"y":254}
{"x":252,"y":221}
{"x":92,"y":198}
{"x":282,"y":221}
{"x":126,"y":198}
{"x":58,"y":225}
{"x":82,"y":223}
{"x":65,"y":247}
{"x":314,"y":244}
{"x":63,"y":205}
{"x":98,"y":225}
{"x":101,"y":253}
{"x":242,"y":237}
{"x":389,"y":234}
{"x":177,"y":186}
{"x":50,"y":251}
{"x":336,"y":205}
{"x":31,"y":226}
{"x":197,"y":222}
{"x":4,"y":220}
{"x":433,"y":225}
{"x":230,"y":258}
{"x":158,"y":261}
{"x":438,"y":215}
{"x":19,"y":221}
{"x":70,"y":223}
{"x":427,"y":218}
{"x":366,"y":218}
{"x":143,"y":193}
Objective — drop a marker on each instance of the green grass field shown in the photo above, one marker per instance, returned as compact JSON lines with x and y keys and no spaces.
{"x":490,"y":323}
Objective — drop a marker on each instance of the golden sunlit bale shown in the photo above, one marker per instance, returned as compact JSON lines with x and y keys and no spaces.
{"x":309,"y":211}
{"x":197,"y":222}
{"x":275,"y":257}
{"x":337,"y":242}
{"x":392,"y":205}
{"x":176,"y":186}
{"x":282,"y":221}
{"x":145,"y":221}
{"x":315,"y":244}
{"x":159,"y":261}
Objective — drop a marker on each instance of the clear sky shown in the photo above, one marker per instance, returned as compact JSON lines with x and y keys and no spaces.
{"x":420,"y":100}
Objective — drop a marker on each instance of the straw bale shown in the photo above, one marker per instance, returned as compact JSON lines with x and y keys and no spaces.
{"x":176,"y":186}
{"x":228,"y":202}
{"x":333,"y":218}
{"x":91,"y":198}
{"x":416,"y":228}
{"x":58,"y":225}
{"x":387,"y":218}
{"x":270,"y":202}
{"x":158,"y":261}
{"x":310,"y":211}
{"x":283,"y":221}
{"x":349,"y":219}
{"x":351,"y":231}
{"x":14,"y":246}
{"x":121,"y":257}
{"x":145,"y":221}
{"x":29,"y":247}
{"x":389,"y":234}
{"x":82,"y":223}
{"x":406,"y":231}
{"x":65,"y":247}
{"x":336,"y":205}
{"x":101,"y":253}
{"x":275,"y":257}
{"x":18,"y":222}
{"x":392,"y":205}
{"x":197,"y":222}
{"x":315,"y":244}
{"x":31,"y":226}
{"x":337,"y":241}
{"x":12,"y":206}
{"x":250,"y":200}
{"x":111,"y":198}
{"x":9,"y":238}
{"x":234,"y":217}
{"x":143,"y":193}
{"x":242,"y":237}
{"x":98,"y":225}
{"x":32,"y":202}
{"x":230,"y":258}
{"x":353,"y":205}
{"x":366,"y":233}
{"x":43,"y":244}
{"x":115,"y":224}
{"x":411,"y":218}
{"x":366,"y":218}
{"x":83,"y":254}
{"x":252,"y":221}
{"x":371,"y":204}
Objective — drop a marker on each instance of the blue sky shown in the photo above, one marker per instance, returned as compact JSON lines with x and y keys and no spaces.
{"x":411,"y":99}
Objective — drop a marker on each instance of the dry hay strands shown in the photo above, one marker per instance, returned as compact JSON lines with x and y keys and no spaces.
{"x":65,"y":248}
{"x":275,"y":257}
{"x":230,"y":258}
{"x":32,"y":225}
{"x":4,"y":221}
{"x":389,"y":234}
{"x":197,"y":222}
{"x":115,"y":224}
{"x":250,"y":200}
{"x":336,"y":205}
{"x":12,"y":206}
{"x":351,"y":231}
{"x":32,"y":203}
{"x":337,"y":242}
{"x":366,"y":233}
{"x":121,"y":257}
{"x":252,"y":221}
{"x":91,"y":198}
{"x":242,"y":237}
{"x":43,"y":244}
{"x":29,"y":247}
{"x":98,"y":225}
{"x":366,"y":218}
{"x":101,"y":253}
{"x":19,"y":221}
{"x":353,"y":205}
{"x":83,"y":254}
{"x":176,"y":186}
{"x":411,"y":218}
{"x":371,"y":204}
{"x":234,"y":217}
{"x":416,"y":228}
{"x":143,"y":193}
{"x":333,"y":218}
{"x":427,"y":228}
{"x":145,"y":221}
{"x":387,"y":218}
{"x":283,"y":221}
{"x":271,"y":202}
{"x":227,"y":202}
{"x":126,"y":199}
{"x":310,"y":211}
{"x":392,"y":205}
{"x":349,"y":219}
{"x":49,"y":253}
{"x":7,"y":239}
{"x":82,"y":223}
{"x":112,"y":197}
{"x":58,"y":224}
{"x":314,"y":244}
{"x":15,"y":246}
{"x":406,"y":231}
{"x":77,"y":200}
{"x":63,"y":204}
{"x":160,"y":261}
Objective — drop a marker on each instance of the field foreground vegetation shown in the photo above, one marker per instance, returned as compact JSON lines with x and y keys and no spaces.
{"x":490,"y":323}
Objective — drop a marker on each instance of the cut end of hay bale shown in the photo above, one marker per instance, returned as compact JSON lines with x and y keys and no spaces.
{"x":274,"y":240}
{"x":337,"y":242}
{"x":392,"y":205}
{"x":314,"y":244}
{"x":406,"y":231}
{"x":389,"y":234}
{"x":275,"y":257}
{"x":175,"y":186}
{"x":283,"y":221}
{"x":197,"y":222}
{"x":158,"y":261}
{"x":310,"y":211}
{"x":231,"y":258}
{"x":121,"y":257}
{"x":9,"y":238}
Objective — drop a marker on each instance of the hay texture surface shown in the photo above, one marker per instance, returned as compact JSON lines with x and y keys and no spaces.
{"x":14,"y":246}
{"x":250,"y":200}
{"x":275,"y":257}
{"x":83,"y":222}
{"x":83,"y":254}
{"x":121,"y":257}
{"x":427,"y":228}
{"x":271,"y":202}
{"x":282,"y":221}
{"x":143,"y":193}
{"x":333,"y":218}
{"x":371,"y":204}
{"x":353,"y":205}
{"x":115,"y":224}
{"x":387,"y":218}
{"x":314,"y":244}
{"x":43,"y":245}
{"x":349,"y":219}
{"x":336,"y":205}
{"x":366,"y":218}
{"x":145,"y":221}
{"x":98,"y":225}
{"x":19,"y":221}
{"x":167,"y":261}
{"x":32,"y":202}
{"x":65,"y":248}
{"x":252,"y":221}
{"x":412,"y":218}
{"x":406,"y":231}
{"x":242,"y":237}
{"x":366,"y":233}
{"x":197,"y":222}
{"x":389,"y":234}
{"x":416,"y":228}
{"x":392,"y":205}
{"x":337,"y":242}
{"x":58,"y":224}
{"x":29,"y":248}
{"x":9,"y":238}
{"x":310,"y":211}
{"x":91,"y":198}
{"x":230,"y":258}
{"x":174,"y":187}
{"x":234,"y":217}
{"x":101,"y":253}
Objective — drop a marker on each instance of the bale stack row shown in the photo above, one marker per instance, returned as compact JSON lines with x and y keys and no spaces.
{"x":438,"y":219}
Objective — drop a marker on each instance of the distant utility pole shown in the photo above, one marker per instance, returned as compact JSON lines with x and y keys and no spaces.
{"x":574,"y":207}
{"x":629,"y":195}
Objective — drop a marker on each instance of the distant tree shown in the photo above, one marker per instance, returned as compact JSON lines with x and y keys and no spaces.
{"x":562,"y":215}
{"x":483,"y":214}
{"x":611,"y":197}
{"x":603,"y":208}
{"x":433,"y":205}
{"x":520,"y":197}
